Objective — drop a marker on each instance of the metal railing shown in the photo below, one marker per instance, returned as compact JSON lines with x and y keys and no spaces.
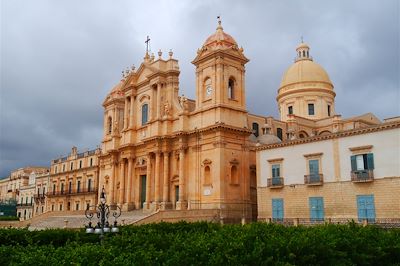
{"x":362,"y":176}
{"x":381,"y":222}
{"x":24,"y":204}
{"x":275,"y":182}
{"x":71,"y":192}
{"x":314,"y":179}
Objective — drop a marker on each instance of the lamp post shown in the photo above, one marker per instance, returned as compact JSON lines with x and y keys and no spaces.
{"x":102,"y":211}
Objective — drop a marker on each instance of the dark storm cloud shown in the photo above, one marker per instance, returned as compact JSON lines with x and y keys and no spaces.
{"x":59,"y":59}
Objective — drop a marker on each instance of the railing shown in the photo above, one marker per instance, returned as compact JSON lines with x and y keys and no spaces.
{"x":362,"y":176}
{"x":275,"y":182}
{"x":24,"y":204}
{"x":39,"y":197}
{"x":315,"y":179}
{"x":61,"y":193}
{"x":381,"y":222}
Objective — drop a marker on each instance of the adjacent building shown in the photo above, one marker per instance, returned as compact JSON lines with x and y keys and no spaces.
{"x":73,"y":182}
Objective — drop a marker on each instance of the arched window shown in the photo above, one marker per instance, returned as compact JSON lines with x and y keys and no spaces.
{"x":255,"y":129}
{"x":231,"y":89}
{"x":207,"y":175}
{"x":234,"y":175}
{"x":109,"y":125}
{"x":145,"y":113}
{"x":279,"y":133}
{"x":304,"y":53}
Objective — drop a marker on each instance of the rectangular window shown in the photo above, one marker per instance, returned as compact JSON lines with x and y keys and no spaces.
{"x":77,"y":206}
{"x":70,"y":187}
{"x":44,"y":190}
{"x":80,"y":164}
{"x":55,"y":170}
{"x":316,"y":208}
{"x":255,"y":129}
{"x":279,"y":133}
{"x":72,"y":166}
{"x":290,"y":110}
{"x":78,"y":188}
{"x":63,"y":167}
{"x":310,"y":109}
{"x":145,"y":112}
{"x":91,"y":161}
{"x":275,"y":170}
{"x":89,"y":185}
{"x":329,"y":110}
{"x":54,"y":189}
{"x":366,"y":208}
{"x":313,"y":166}
{"x":62,"y":188}
{"x":60,"y":207}
{"x":362,"y":162}
{"x":52,"y":207}
{"x":277,"y":209}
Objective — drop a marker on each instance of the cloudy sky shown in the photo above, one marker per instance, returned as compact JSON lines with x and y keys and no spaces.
{"x":60,"y":58}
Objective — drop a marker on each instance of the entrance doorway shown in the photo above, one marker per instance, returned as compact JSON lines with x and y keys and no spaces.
{"x":142,"y":190}
{"x":176,"y":194}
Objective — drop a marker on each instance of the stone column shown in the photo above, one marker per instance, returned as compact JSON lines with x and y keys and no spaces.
{"x":165,"y":197}
{"x":158,"y":100}
{"x":148,"y":185}
{"x":132,"y":113}
{"x":126,"y":115}
{"x":112,"y":182}
{"x":157,"y":198}
{"x":181,"y":204}
{"x":129,"y":188}
{"x":122,"y":182}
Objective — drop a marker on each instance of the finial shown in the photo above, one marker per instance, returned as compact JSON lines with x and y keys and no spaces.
{"x":301,"y":38}
{"x":133,"y":68}
{"x":159,"y":54}
{"x":170,"y":54}
{"x":219,"y":23}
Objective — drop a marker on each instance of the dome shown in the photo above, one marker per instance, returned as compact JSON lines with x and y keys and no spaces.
{"x":305,"y":71}
{"x":220,"y":37}
{"x":268,"y":139}
{"x":253,"y":138}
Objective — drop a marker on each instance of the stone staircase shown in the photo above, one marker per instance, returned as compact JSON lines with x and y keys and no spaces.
{"x":79,"y":220}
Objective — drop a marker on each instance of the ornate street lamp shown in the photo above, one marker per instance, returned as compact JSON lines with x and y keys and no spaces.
{"x":102,"y":211}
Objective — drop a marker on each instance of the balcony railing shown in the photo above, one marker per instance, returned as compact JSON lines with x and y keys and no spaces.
{"x":275,"y":182}
{"x":314,"y":179}
{"x":39,"y":197}
{"x":362,"y":176}
{"x":24,"y":204}
{"x":71,"y":192}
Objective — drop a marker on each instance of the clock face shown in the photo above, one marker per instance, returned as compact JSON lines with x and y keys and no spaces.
{"x":208,"y":91}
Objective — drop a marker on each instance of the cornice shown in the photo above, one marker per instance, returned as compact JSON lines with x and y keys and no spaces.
{"x":341,"y":134}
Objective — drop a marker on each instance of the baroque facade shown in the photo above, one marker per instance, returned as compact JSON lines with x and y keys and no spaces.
{"x":164,"y":151}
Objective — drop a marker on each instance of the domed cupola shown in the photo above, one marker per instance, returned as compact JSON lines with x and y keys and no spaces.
{"x":306,"y":89}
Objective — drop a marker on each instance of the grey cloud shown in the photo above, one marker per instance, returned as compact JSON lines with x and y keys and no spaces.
{"x":59,"y":59}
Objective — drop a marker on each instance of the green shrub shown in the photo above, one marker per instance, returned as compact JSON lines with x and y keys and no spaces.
{"x":205,"y":244}
{"x":9,"y":218}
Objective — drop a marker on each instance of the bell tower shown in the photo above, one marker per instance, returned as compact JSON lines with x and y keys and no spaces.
{"x":220,"y":73}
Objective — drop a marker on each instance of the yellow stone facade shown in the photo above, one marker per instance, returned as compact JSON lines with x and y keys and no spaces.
{"x":73,"y":182}
{"x":164,"y":151}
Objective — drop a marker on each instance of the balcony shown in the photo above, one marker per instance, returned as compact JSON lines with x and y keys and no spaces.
{"x":362,"y":176}
{"x":73,"y":192}
{"x":25,"y":204}
{"x":275,"y":182}
{"x":314,"y":180}
{"x":39,"y":197}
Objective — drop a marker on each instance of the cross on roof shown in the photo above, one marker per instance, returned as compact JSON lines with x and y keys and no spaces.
{"x":147,"y":44}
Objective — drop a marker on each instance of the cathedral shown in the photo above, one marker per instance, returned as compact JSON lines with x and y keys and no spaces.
{"x":163,"y":151}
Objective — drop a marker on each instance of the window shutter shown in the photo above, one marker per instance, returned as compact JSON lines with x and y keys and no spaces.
{"x":353,"y":163}
{"x":370,"y":161}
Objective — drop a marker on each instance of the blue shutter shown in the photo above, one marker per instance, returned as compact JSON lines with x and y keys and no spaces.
{"x":366,"y":207}
{"x":275,"y":170}
{"x":314,"y":168}
{"x":370,"y":161}
{"x":353,"y":163}
{"x":316,"y":208}
{"x":277,"y":209}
